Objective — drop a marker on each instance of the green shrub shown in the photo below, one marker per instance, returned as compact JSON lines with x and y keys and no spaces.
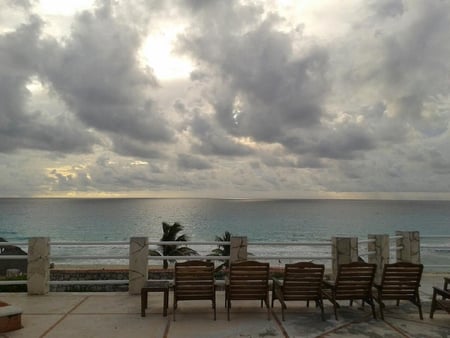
{"x":13,"y":288}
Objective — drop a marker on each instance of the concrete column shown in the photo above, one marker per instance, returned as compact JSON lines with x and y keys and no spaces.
{"x":238,"y":249}
{"x":138,"y":264}
{"x":408,"y":246}
{"x":344,"y":250}
{"x":381,"y":248}
{"x":38,"y":271}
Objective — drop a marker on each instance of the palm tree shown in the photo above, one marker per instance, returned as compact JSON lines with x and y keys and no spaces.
{"x":222,"y":249}
{"x":170,"y":234}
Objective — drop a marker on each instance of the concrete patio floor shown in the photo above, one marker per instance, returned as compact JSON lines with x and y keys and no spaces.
{"x":59,"y":315}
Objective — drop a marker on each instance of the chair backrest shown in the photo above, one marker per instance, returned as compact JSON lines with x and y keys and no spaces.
{"x":248,"y":280}
{"x":401,"y":280}
{"x":194,"y":280}
{"x":354,"y":280}
{"x":302,"y":281}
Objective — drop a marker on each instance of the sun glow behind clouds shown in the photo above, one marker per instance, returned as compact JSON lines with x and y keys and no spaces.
{"x":58,"y":7}
{"x":158,"y":53}
{"x":157,"y":50}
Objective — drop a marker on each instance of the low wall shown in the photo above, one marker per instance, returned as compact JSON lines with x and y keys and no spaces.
{"x":89,"y":274}
{"x":79,"y":274}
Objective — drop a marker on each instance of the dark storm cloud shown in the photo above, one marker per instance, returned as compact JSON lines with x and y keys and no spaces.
{"x":264,"y":83}
{"x":356,"y":99}
{"x":346,"y":142}
{"x":190,"y":162}
{"x":125,"y":146}
{"x":98,"y":75}
{"x":413,"y":58}
{"x":210,"y":140}
{"x":20,"y":127}
{"x":439,"y":163}
{"x":258,"y":71}
{"x":95,"y":72}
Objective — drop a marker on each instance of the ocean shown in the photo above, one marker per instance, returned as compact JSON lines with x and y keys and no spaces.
{"x":203,"y":219}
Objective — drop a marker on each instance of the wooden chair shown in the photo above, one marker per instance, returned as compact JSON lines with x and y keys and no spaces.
{"x":194,"y":280}
{"x":443,"y":303}
{"x":400,"y":281}
{"x":301,"y":282}
{"x":354,"y":281}
{"x":248,"y":280}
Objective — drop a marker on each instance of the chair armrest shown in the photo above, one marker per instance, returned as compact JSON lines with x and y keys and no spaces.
{"x":326,"y":284}
{"x":446,"y":282}
{"x":277,"y":282}
{"x":441,"y":292}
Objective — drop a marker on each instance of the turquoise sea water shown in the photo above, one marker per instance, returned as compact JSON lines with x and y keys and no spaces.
{"x":203,"y":219}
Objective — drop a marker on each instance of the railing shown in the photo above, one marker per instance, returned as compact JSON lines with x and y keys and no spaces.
{"x":324,"y":253}
{"x":190,"y":243}
{"x":88,"y":244}
{"x":84,"y":257}
{"x":363,"y":249}
{"x":444,"y":248}
{"x":282,"y":257}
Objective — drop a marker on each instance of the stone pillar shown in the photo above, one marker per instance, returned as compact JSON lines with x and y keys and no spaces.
{"x":38,"y":271}
{"x":344,"y":250}
{"x":408,"y":246}
{"x":138,"y":264}
{"x":238,"y":249}
{"x":381,"y":248}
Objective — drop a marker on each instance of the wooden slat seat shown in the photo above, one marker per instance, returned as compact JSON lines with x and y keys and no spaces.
{"x":354,"y":281}
{"x":400,"y":281}
{"x":248,"y":280}
{"x":441,"y":298}
{"x":301,"y":282}
{"x":194,"y":280}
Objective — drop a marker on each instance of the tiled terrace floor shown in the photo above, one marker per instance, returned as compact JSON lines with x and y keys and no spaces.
{"x":59,"y":315}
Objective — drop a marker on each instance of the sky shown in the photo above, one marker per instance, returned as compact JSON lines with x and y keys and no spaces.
{"x":226,"y":99}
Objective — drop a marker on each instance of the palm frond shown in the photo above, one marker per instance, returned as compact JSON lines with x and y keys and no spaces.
{"x":153,"y":252}
{"x":186,"y":251}
{"x":170,"y":234}
{"x":182,"y":238}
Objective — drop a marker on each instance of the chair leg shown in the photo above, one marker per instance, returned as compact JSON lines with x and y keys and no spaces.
{"x":228,"y":309}
{"x":380,"y":302}
{"x":174,"y":308}
{"x":214,"y":306}
{"x":372,"y":305}
{"x":166,"y":302}
{"x":267,"y":306}
{"x":433,"y":304}
{"x":419,"y":305}
{"x":320,"y":303}
{"x":273,"y":298}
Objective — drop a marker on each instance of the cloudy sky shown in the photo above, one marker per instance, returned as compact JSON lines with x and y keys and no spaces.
{"x":233,"y":99}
